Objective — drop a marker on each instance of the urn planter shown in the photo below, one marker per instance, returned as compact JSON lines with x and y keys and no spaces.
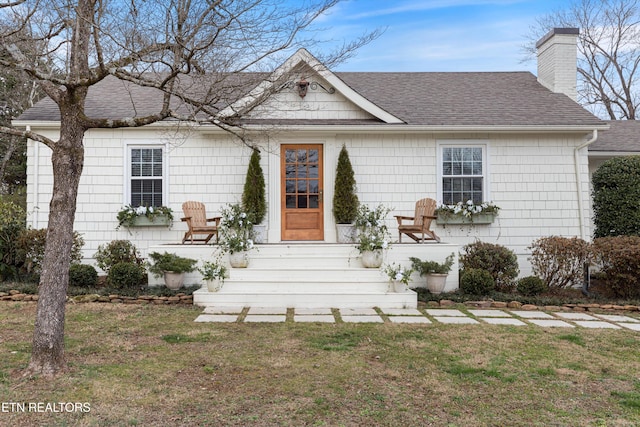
{"x":173,"y":280}
{"x":214,"y":285}
{"x":436,"y":282}
{"x":372,"y":259}
{"x":239,"y":259}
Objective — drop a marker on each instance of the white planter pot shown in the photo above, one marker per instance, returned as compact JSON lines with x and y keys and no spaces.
{"x":239,"y":259}
{"x":436,"y":282}
{"x":398,"y":287}
{"x":371,"y":259}
{"x":345,"y":233}
{"x":259,"y":233}
{"x":173,"y":280}
{"x":214,"y":285}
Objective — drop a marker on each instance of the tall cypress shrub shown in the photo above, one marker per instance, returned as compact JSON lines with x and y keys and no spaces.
{"x":345,"y":200}
{"x":616,"y":197}
{"x":254,"y":201}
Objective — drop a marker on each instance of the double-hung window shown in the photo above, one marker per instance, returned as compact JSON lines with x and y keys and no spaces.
{"x":146,"y":176}
{"x":463,"y":173}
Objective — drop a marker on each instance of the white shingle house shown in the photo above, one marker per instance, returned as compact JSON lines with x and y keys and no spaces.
{"x":518,"y":140}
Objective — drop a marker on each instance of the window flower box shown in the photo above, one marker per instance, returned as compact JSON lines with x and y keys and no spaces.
{"x":483,"y":218}
{"x":156,"y":221}
{"x":145,"y":216}
{"x":467,"y":213}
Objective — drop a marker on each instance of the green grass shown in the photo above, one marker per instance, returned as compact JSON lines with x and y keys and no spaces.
{"x":153,"y":365}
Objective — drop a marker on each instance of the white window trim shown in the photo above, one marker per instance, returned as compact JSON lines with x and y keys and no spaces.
{"x":461,"y":143}
{"x":127,"y":168}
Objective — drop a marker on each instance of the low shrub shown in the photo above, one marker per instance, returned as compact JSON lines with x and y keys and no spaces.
{"x":12,"y":223}
{"x":126,"y":275}
{"x":560,"y":261}
{"x":499,"y":261}
{"x":618,"y":259}
{"x":115,"y":252}
{"x":83,"y":275}
{"x":531,"y":286}
{"x":476,"y":281}
{"x":31,"y":244}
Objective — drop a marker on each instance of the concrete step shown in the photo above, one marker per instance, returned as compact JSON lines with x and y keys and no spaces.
{"x":386,"y":300}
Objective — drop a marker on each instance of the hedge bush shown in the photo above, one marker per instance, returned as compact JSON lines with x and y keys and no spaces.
{"x":31,"y":244}
{"x":12,"y":223}
{"x":476,"y":281}
{"x":619,"y":259}
{"x":498,"y":260}
{"x":126,"y":275}
{"x":531,"y":286}
{"x":83,"y":275}
{"x":115,"y":252}
{"x":559,"y":261}
{"x":616,"y":195}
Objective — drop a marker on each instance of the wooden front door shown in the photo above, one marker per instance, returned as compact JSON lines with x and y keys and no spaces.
{"x":301,"y":183}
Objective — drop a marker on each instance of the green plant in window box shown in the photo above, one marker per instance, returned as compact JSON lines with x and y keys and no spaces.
{"x":467,"y":212}
{"x":129,"y":215}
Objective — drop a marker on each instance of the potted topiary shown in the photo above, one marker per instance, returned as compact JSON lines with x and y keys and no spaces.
{"x":435,"y":272}
{"x":172,"y":267}
{"x":253,"y":197}
{"x":213,"y":273}
{"x":345,"y":200}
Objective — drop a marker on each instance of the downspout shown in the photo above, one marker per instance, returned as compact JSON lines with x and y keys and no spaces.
{"x":36,"y":180}
{"x":581,"y":220}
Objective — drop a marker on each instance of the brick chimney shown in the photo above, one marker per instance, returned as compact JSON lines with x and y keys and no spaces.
{"x":557,"y":61}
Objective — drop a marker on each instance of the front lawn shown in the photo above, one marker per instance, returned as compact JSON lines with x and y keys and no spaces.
{"x":152,"y":365}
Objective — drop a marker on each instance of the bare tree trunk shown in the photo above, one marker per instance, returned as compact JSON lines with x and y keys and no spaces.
{"x":47,"y":355}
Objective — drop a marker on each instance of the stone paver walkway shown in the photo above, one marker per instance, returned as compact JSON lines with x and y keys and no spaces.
{"x":426,"y":316}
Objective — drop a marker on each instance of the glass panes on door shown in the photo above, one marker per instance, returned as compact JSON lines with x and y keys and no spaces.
{"x":302,"y":180}
{"x":146,"y":177}
{"x":462,"y":175}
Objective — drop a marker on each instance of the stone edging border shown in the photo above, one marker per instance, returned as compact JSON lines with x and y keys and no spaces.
{"x":14,"y":295}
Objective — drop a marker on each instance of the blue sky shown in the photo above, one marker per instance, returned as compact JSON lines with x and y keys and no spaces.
{"x":439,"y":35}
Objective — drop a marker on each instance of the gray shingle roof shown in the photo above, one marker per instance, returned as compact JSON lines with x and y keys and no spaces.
{"x":421,"y":99}
{"x":623,"y":136}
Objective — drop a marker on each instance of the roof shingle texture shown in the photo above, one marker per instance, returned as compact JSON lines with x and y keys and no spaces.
{"x":421,"y":99}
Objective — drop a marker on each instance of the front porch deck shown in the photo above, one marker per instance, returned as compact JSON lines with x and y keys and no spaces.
{"x":311,"y":275}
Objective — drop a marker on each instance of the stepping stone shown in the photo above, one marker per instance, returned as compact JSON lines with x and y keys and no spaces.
{"x":322,"y":318}
{"x":456,"y":320}
{"x":596,"y":324}
{"x":445,"y":312}
{"x":618,"y":318}
{"x":313,"y":311}
{"x":532,"y":314}
{"x":546,"y":323}
{"x":265,"y":318}
{"x":268,"y":310}
{"x":358,"y":312}
{"x":503,"y":321}
{"x":220,"y":318}
{"x":409,"y":319}
{"x":223,"y":310}
{"x":362,"y":319}
{"x":403,"y":312}
{"x":632,"y":326}
{"x":490,"y":313}
{"x":575,"y":316}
